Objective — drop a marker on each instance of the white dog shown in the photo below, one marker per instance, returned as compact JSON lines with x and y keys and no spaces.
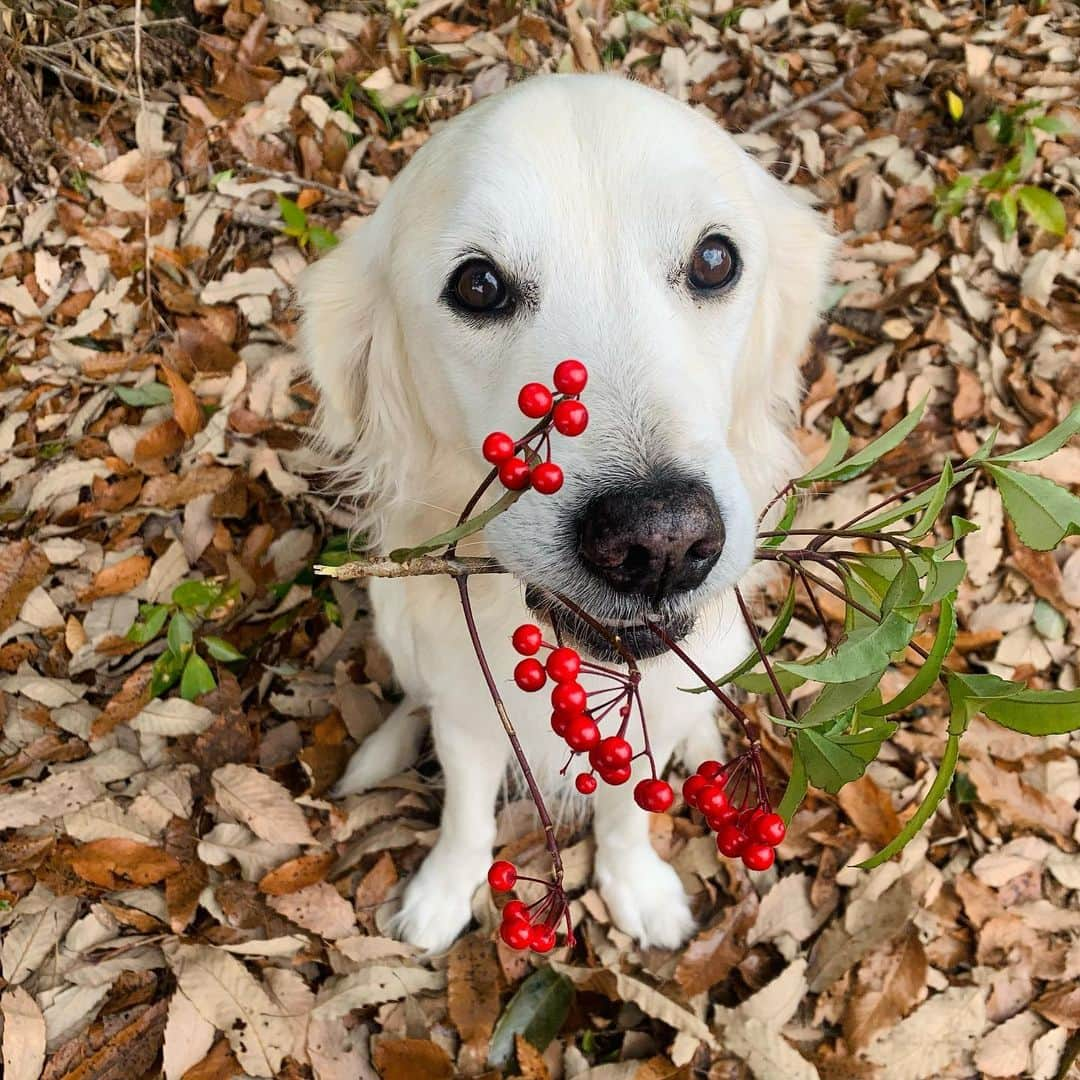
{"x":584,"y":216}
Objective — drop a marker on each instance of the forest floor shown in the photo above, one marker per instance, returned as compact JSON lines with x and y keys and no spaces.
{"x":177,"y":892}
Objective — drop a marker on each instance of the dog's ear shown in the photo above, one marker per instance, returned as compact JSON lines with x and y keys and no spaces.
{"x":798,"y":271}
{"x":338,"y":297}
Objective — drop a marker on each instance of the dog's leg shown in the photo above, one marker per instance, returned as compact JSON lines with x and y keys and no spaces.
{"x":643,"y":893}
{"x":438,"y":901}
{"x":388,"y":750}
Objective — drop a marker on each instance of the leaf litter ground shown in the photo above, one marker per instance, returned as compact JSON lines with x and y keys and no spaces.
{"x":177,"y":894}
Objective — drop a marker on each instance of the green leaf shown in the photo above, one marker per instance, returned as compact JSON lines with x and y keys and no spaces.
{"x":1004,"y":213}
{"x":322,"y":239}
{"x":220,"y":649}
{"x":154,"y":393}
{"x":537,"y":1011}
{"x":938,"y":494}
{"x":868,"y":455}
{"x":1013,"y":705}
{"x":151,"y":619}
{"x":181,"y":634}
{"x":192,"y":595}
{"x":926,"y":808}
{"x":1042,"y":448}
{"x":1050,"y":124}
{"x":834,"y":758}
{"x":459,"y":532}
{"x":1044,"y":207}
{"x":291,"y":214}
{"x":795,"y":791}
{"x":1043,"y":512}
{"x":760,"y":683}
{"x":165,"y":672}
{"x":791,"y":508}
{"x":928,"y":673}
{"x":943,"y":579}
{"x":839,"y":440}
{"x":197,"y":678}
{"x":837,"y":699}
{"x":867,"y":649}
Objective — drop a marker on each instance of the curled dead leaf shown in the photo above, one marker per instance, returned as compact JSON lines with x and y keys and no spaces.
{"x":113,"y":863}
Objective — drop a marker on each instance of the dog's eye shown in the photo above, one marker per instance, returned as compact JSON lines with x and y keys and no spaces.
{"x":714,"y":264}
{"x":477,"y":286}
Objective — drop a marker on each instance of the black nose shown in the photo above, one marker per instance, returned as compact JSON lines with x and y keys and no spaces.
{"x":656,"y":538}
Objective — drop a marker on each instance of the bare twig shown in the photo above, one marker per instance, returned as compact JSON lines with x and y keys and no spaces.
{"x":148,"y":280}
{"x":826,"y":91}
{"x":424,"y":566}
{"x":303,"y":182}
{"x":755,"y":634}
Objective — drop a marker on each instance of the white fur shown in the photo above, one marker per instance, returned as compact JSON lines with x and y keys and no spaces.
{"x":595,"y":189}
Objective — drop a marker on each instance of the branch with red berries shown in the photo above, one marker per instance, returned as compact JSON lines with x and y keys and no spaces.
{"x":894,"y":574}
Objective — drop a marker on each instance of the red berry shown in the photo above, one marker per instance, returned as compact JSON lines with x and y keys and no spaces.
{"x":731,"y":841}
{"x":547,"y":478}
{"x":726,"y":817}
{"x":568,"y":697}
{"x":769,"y":829}
{"x":581,"y":733}
{"x":692,"y":787}
{"x":614,"y":752}
{"x":517,"y":933}
{"x":570,"y":418}
{"x":560,"y":722}
{"x":516,"y":909}
{"x":758,"y":856}
{"x":529,"y":674}
{"x":615,"y":777}
{"x":570,"y":376}
{"x":534,"y":400}
{"x":710,"y":769}
{"x":498,"y":446}
{"x":514,"y":474}
{"x":542,"y":939}
{"x":655,"y":796}
{"x":502,"y":875}
{"x":585,"y":783}
{"x":563,"y":665}
{"x":527,"y":639}
{"x":712,"y":800}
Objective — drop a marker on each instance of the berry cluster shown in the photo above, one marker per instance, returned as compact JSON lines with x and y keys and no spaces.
{"x":736,"y":807}
{"x":578,"y":723}
{"x":567,"y":415}
{"x":522,"y":927}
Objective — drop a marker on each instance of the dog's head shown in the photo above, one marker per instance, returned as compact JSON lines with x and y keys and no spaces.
{"x":581,"y":216}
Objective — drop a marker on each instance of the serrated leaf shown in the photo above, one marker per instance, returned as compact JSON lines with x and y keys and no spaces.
{"x":1044,"y":207}
{"x":839,"y":441}
{"x":796,"y":788}
{"x":760,"y":683}
{"x":834,"y":758}
{"x":220,"y":649}
{"x":858,"y":463}
{"x":459,"y":532}
{"x":1042,"y":448}
{"x":1013,"y":705}
{"x":931,"y":668}
{"x":537,"y":1011}
{"x":836,"y":699}
{"x":154,"y":393}
{"x":1042,"y":512}
{"x":943,"y":579}
{"x":938,"y":494}
{"x":197,"y":678}
{"x":791,"y":508}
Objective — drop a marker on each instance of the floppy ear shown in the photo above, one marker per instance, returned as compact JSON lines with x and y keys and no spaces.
{"x":768,"y":386}
{"x":351,"y":340}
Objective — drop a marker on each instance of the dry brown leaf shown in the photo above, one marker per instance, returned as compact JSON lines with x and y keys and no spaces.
{"x":188,"y":1037}
{"x":261,"y":803}
{"x":373,"y":985}
{"x":22,"y":569}
{"x":530,"y":1061}
{"x":473,"y":995}
{"x":113,"y":862}
{"x":870,"y":810}
{"x":118,"y":578}
{"x":161,"y":441}
{"x":1020,"y":804}
{"x":411,"y":1059}
{"x":889,"y":985}
{"x":186,"y":409}
{"x":41,"y":920}
{"x":319,"y":908}
{"x":24,"y":1035}
{"x":1061,"y":1006}
{"x":297,"y":874}
{"x":712,"y":955}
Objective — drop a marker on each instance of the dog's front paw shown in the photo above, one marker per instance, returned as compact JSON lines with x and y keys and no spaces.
{"x":645,"y":897}
{"x":437,"y":904}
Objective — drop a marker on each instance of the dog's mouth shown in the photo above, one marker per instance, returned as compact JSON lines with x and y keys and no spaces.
{"x":637,"y":637}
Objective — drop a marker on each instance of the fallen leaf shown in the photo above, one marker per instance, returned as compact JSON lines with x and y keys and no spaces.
{"x":319,"y":908}
{"x":297,"y":874}
{"x":473,"y":995}
{"x":261,"y":803}
{"x":870,"y":810}
{"x":117,"y":578}
{"x":112,"y":862}
{"x":411,"y":1059}
{"x":186,"y":409}
{"x":24,"y":1035}
{"x":714,"y":953}
{"x":889,"y":985}
{"x":41,"y":920}
{"x":22,"y":569}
